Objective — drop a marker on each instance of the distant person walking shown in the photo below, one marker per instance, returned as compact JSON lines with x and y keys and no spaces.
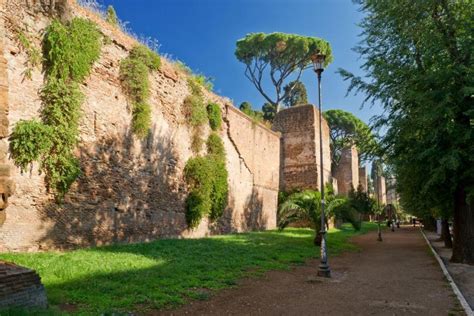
{"x":414,"y":221}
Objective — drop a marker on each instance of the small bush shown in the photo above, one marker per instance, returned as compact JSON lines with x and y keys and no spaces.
{"x":197,"y":206}
{"x":61,"y":172}
{"x":197,"y":172}
{"x":204,"y":81}
{"x":148,"y":57}
{"x":195,"y":110}
{"x":207,"y":179}
{"x":29,"y":141}
{"x":215,"y":147}
{"x":61,"y":104}
{"x":134,"y":77}
{"x":196,"y":141}
{"x":220,"y":189}
{"x":141,"y":119}
{"x":71,"y":49}
{"x":134,"y":73}
{"x":215,"y":116}
{"x":111,"y":16}
{"x":345,"y":212}
{"x":194,"y":87}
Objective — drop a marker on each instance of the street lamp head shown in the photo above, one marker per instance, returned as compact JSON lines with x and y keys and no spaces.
{"x":318,"y":62}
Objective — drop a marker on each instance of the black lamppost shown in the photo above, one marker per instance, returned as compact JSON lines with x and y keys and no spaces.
{"x":324,"y":271}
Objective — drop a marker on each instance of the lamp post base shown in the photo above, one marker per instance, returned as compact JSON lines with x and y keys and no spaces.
{"x":324,"y":271}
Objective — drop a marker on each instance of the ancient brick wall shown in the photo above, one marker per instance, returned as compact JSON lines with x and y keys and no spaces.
{"x":347,"y":172}
{"x":363,"y":177}
{"x":131,"y":190}
{"x":300,"y":150}
{"x":380,"y":190}
{"x":6,"y":184}
{"x":20,"y":287}
{"x":392,"y":194}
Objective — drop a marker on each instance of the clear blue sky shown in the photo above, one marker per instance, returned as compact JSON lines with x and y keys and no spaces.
{"x":202,"y":33}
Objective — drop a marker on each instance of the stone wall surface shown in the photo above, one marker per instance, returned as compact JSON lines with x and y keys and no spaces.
{"x":392,"y":195}
{"x":363,"y":178}
{"x":131,"y":190}
{"x":20,"y":287}
{"x":300,"y":149}
{"x":6,"y":184}
{"x":380,"y":190}
{"x":347,"y":172}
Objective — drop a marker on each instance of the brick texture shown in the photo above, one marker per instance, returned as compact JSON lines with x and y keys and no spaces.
{"x":347,"y":172}
{"x":380,"y":190}
{"x":20,"y":287}
{"x":300,"y":151}
{"x":6,"y":184}
{"x":130,"y":190}
{"x":363,"y":177}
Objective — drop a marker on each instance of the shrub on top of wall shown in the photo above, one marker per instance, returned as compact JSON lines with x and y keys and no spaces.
{"x":111,"y":16}
{"x":134,"y":72}
{"x":150,"y":58}
{"x":70,"y":50}
{"x":215,"y":117}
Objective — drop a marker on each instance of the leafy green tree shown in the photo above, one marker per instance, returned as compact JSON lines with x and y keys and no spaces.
{"x":295,"y":93}
{"x":269,"y":111}
{"x":361,"y":201}
{"x":246,"y":107}
{"x":347,"y":130}
{"x":419,"y":64}
{"x":280,"y":55}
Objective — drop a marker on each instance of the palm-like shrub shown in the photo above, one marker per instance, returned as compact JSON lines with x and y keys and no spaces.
{"x":301,"y":206}
{"x":306,"y":206}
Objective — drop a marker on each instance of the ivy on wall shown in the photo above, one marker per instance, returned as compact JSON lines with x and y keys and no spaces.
{"x":33,"y":54}
{"x":134,"y":73}
{"x":195,"y":113}
{"x":207,"y":176}
{"x":70,"y":50}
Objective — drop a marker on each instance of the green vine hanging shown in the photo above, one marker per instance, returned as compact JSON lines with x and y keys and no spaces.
{"x":134,"y":72}
{"x":207,"y":176}
{"x":70,"y":50}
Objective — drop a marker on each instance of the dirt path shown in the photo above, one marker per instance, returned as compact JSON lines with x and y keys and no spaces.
{"x":395,"y":277}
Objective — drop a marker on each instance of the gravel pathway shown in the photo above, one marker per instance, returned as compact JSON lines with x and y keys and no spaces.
{"x":398,"y":276}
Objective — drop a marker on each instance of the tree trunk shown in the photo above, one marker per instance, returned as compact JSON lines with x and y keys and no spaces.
{"x":445,"y":234}
{"x":317,"y":239}
{"x":429,"y":223}
{"x":463,"y":246}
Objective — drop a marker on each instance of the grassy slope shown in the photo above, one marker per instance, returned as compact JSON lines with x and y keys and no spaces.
{"x":167,"y":272}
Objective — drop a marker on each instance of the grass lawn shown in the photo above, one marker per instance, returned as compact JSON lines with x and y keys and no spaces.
{"x":166,"y":273}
